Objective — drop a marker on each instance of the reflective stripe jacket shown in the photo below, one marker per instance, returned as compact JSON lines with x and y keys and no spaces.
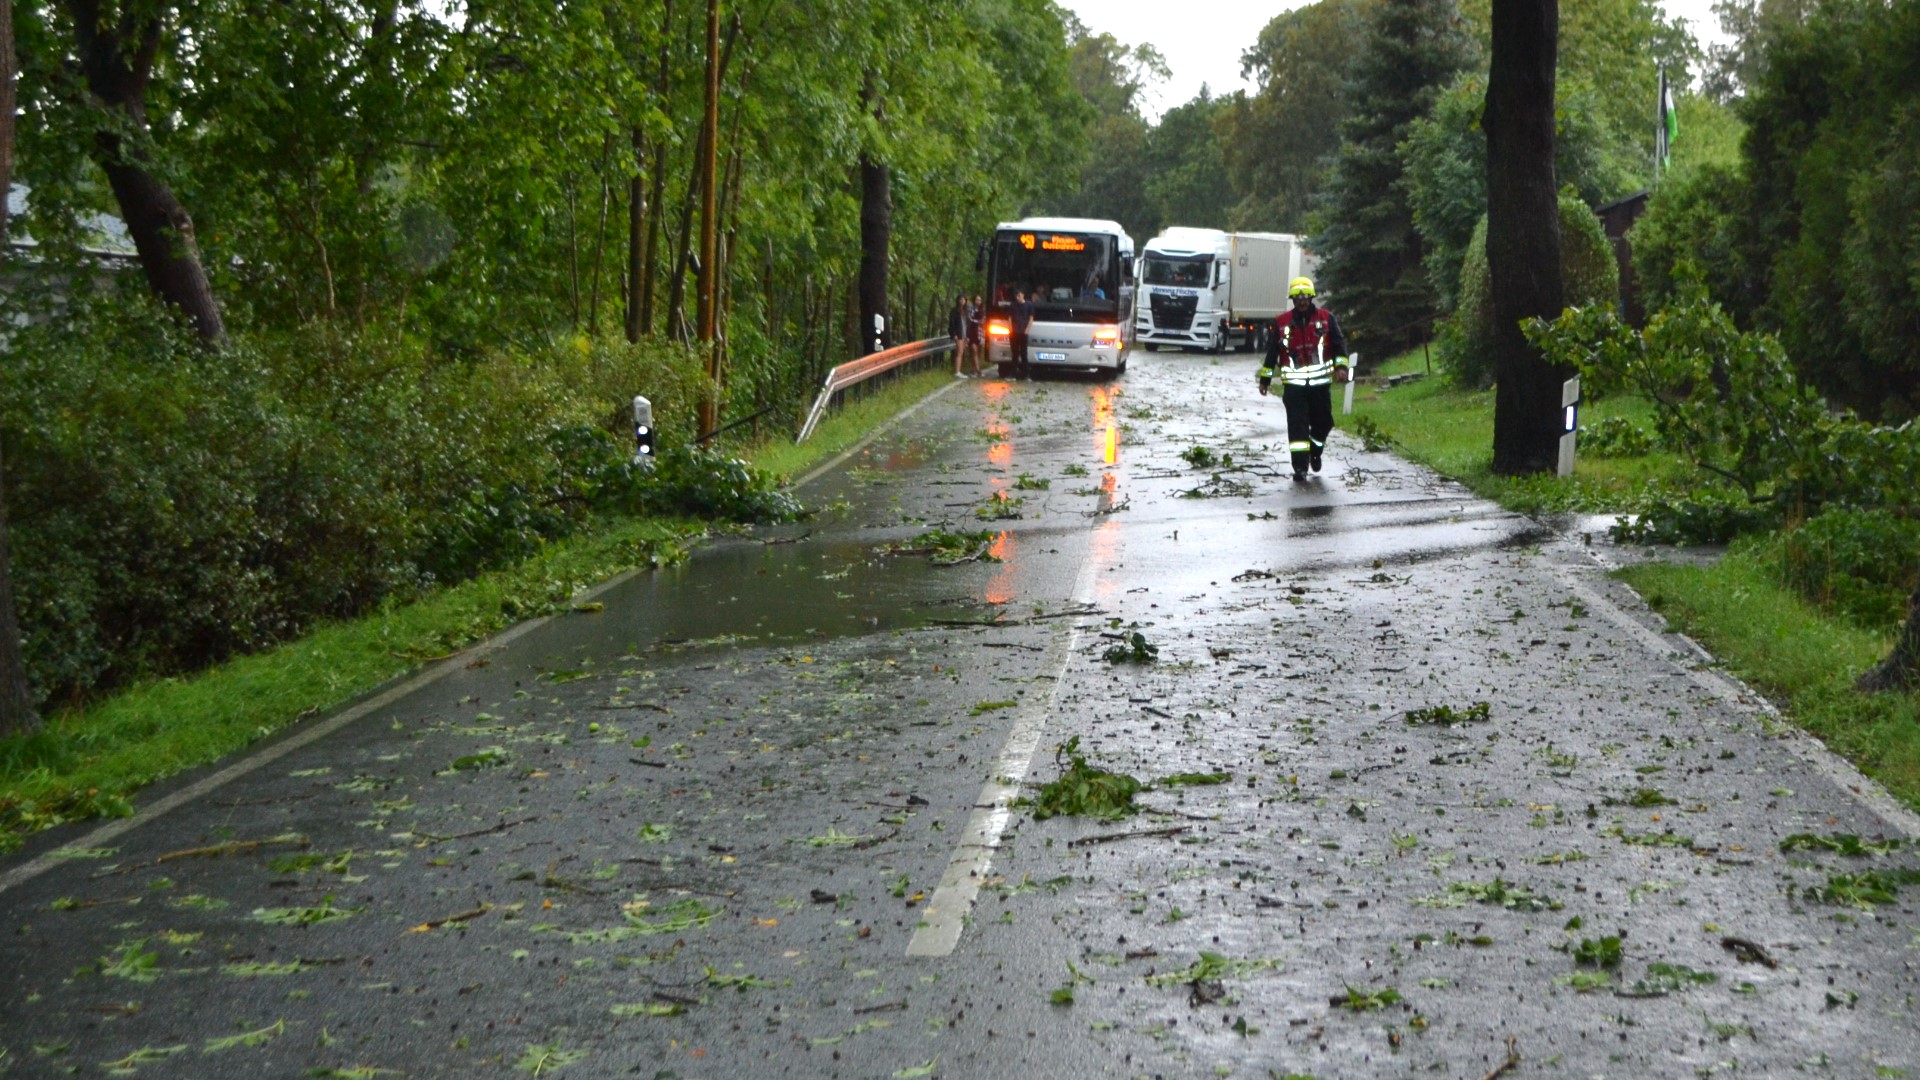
{"x":1309,"y":344}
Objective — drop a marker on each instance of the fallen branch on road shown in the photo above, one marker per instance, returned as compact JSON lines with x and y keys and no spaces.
{"x":1107,"y":838}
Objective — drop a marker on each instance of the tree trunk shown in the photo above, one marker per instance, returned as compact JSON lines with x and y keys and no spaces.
{"x":639,"y":274}
{"x":16,"y":705}
{"x":709,"y":226}
{"x":1523,"y":233}
{"x":876,"y":236}
{"x":118,"y":61}
{"x":650,"y":245}
{"x":1899,"y":669}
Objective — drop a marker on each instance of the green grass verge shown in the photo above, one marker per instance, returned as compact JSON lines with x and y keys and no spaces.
{"x":90,"y":762}
{"x":1451,"y":431}
{"x":846,"y":425}
{"x":1804,"y":660}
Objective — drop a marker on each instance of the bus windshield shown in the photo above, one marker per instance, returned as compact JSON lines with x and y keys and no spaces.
{"x":1189,"y":271}
{"x":1078,"y":271}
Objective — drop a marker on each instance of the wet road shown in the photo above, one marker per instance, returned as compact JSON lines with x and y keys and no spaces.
{"x":752,"y":817}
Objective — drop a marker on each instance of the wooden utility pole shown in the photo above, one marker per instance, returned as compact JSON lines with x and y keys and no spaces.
{"x":706,"y":311}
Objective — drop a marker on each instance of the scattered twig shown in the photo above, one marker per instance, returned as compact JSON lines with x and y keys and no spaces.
{"x":648,"y":764}
{"x":891,"y":1006}
{"x":772,"y":540}
{"x":1513,"y":1059}
{"x":965,"y":622}
{"x":232,"y":847}
{"x":1749,"y":951}
{"x":1107,"y":838}
{"x":1012,"y":645}
{"x":871,"y":841}
{"x":1072,"y":614}
{"x":498,"y":826}
{"x":464,"y":916}
{"x":1151,"y":711}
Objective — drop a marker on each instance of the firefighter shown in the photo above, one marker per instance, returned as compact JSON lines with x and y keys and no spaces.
{"x":1312,"y":352}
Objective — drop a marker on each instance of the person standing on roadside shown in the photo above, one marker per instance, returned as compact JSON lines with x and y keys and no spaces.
{"x":976,"y":332}
{"x":1312,"y":351}
{"x":1017,"y":332}
{"x":957,"y":320}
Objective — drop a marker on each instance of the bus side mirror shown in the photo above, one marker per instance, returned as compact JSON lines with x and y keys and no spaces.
{"x":1126,"y":267}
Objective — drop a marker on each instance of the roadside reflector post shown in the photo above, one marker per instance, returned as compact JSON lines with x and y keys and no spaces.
{"x":1569,"y":423}
{"x":642,"y":431}
{"x":1353,"y":365}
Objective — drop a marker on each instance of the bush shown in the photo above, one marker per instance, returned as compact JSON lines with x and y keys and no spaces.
{"x":1689,"y":231}
{"x":170,"y":508}
{"x":701,"y":483}
{"x":1464,"y":346}
{"x":1616,"y":436}
{"x":1860,"y":564}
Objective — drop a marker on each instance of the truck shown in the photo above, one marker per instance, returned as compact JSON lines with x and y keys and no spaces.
{"x":1079,"y":274}
{"x":1210,"y":289}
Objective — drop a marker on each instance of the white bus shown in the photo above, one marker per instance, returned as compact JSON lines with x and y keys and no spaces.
{"x":1079,"y":273}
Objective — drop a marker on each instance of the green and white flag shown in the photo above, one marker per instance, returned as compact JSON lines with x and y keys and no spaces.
{"x":1669,"y":125}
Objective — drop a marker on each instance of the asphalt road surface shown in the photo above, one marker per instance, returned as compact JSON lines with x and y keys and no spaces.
{"x":1427,"y":794}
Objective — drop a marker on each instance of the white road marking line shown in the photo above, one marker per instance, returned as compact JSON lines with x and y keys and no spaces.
{"x":945,"y":913}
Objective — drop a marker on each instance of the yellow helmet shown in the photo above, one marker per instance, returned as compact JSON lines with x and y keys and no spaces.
{"x":1300,"y":286}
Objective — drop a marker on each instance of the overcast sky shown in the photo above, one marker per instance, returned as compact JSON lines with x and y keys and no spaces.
{"x":1203,"y":39}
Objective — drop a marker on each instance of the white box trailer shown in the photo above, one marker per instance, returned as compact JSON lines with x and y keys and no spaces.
{"x":1208,"y":289}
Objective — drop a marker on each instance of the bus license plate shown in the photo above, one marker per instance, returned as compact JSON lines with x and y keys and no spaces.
{"x":1050,"y":356}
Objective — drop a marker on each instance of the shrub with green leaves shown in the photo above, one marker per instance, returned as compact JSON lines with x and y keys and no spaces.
{"x":1860,"y":564}
{"x":1464,"y":345}
{"x":171,"y":507}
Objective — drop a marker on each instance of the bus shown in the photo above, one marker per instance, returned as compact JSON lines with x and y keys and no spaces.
{"x":1079,"y":272}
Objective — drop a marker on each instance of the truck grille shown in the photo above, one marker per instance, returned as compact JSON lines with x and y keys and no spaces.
{"x":1172,"y":312}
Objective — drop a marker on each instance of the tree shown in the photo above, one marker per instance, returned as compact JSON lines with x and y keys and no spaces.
{"x":1371,"y":254}
{"x":17,"y":716}
{"x":1900,"y":668}
{"x":117,"y":50}
{"x":1278,"y":142}
{"x":1523,"y":233}
{"x":1187,"y":176}
{"x":1111,"y":77}
{"x":1833,"y":187}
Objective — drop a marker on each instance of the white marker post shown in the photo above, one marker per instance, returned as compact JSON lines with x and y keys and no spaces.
{"x":1353,"y":361}
{"x":1569,"y":423}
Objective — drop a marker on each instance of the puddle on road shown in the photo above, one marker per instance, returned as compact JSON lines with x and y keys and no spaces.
{"x":746,"y":593}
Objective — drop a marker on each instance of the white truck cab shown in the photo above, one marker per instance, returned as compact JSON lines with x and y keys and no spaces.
{"x":1182,"y":298}
{"x":1209,"y":289}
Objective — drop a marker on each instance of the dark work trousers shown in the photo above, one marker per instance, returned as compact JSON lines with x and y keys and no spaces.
{"x":1309,"y":418}
{"x":1017,"y":341}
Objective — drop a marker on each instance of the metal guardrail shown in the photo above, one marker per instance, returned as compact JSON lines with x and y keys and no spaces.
{"x":854,"y":372}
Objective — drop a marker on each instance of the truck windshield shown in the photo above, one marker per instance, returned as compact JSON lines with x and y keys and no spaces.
{"x":1190,"y":272}
{"x":1057,"y":270}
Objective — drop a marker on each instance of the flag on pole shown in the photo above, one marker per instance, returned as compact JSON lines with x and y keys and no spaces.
{"x":1669,"y":125}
